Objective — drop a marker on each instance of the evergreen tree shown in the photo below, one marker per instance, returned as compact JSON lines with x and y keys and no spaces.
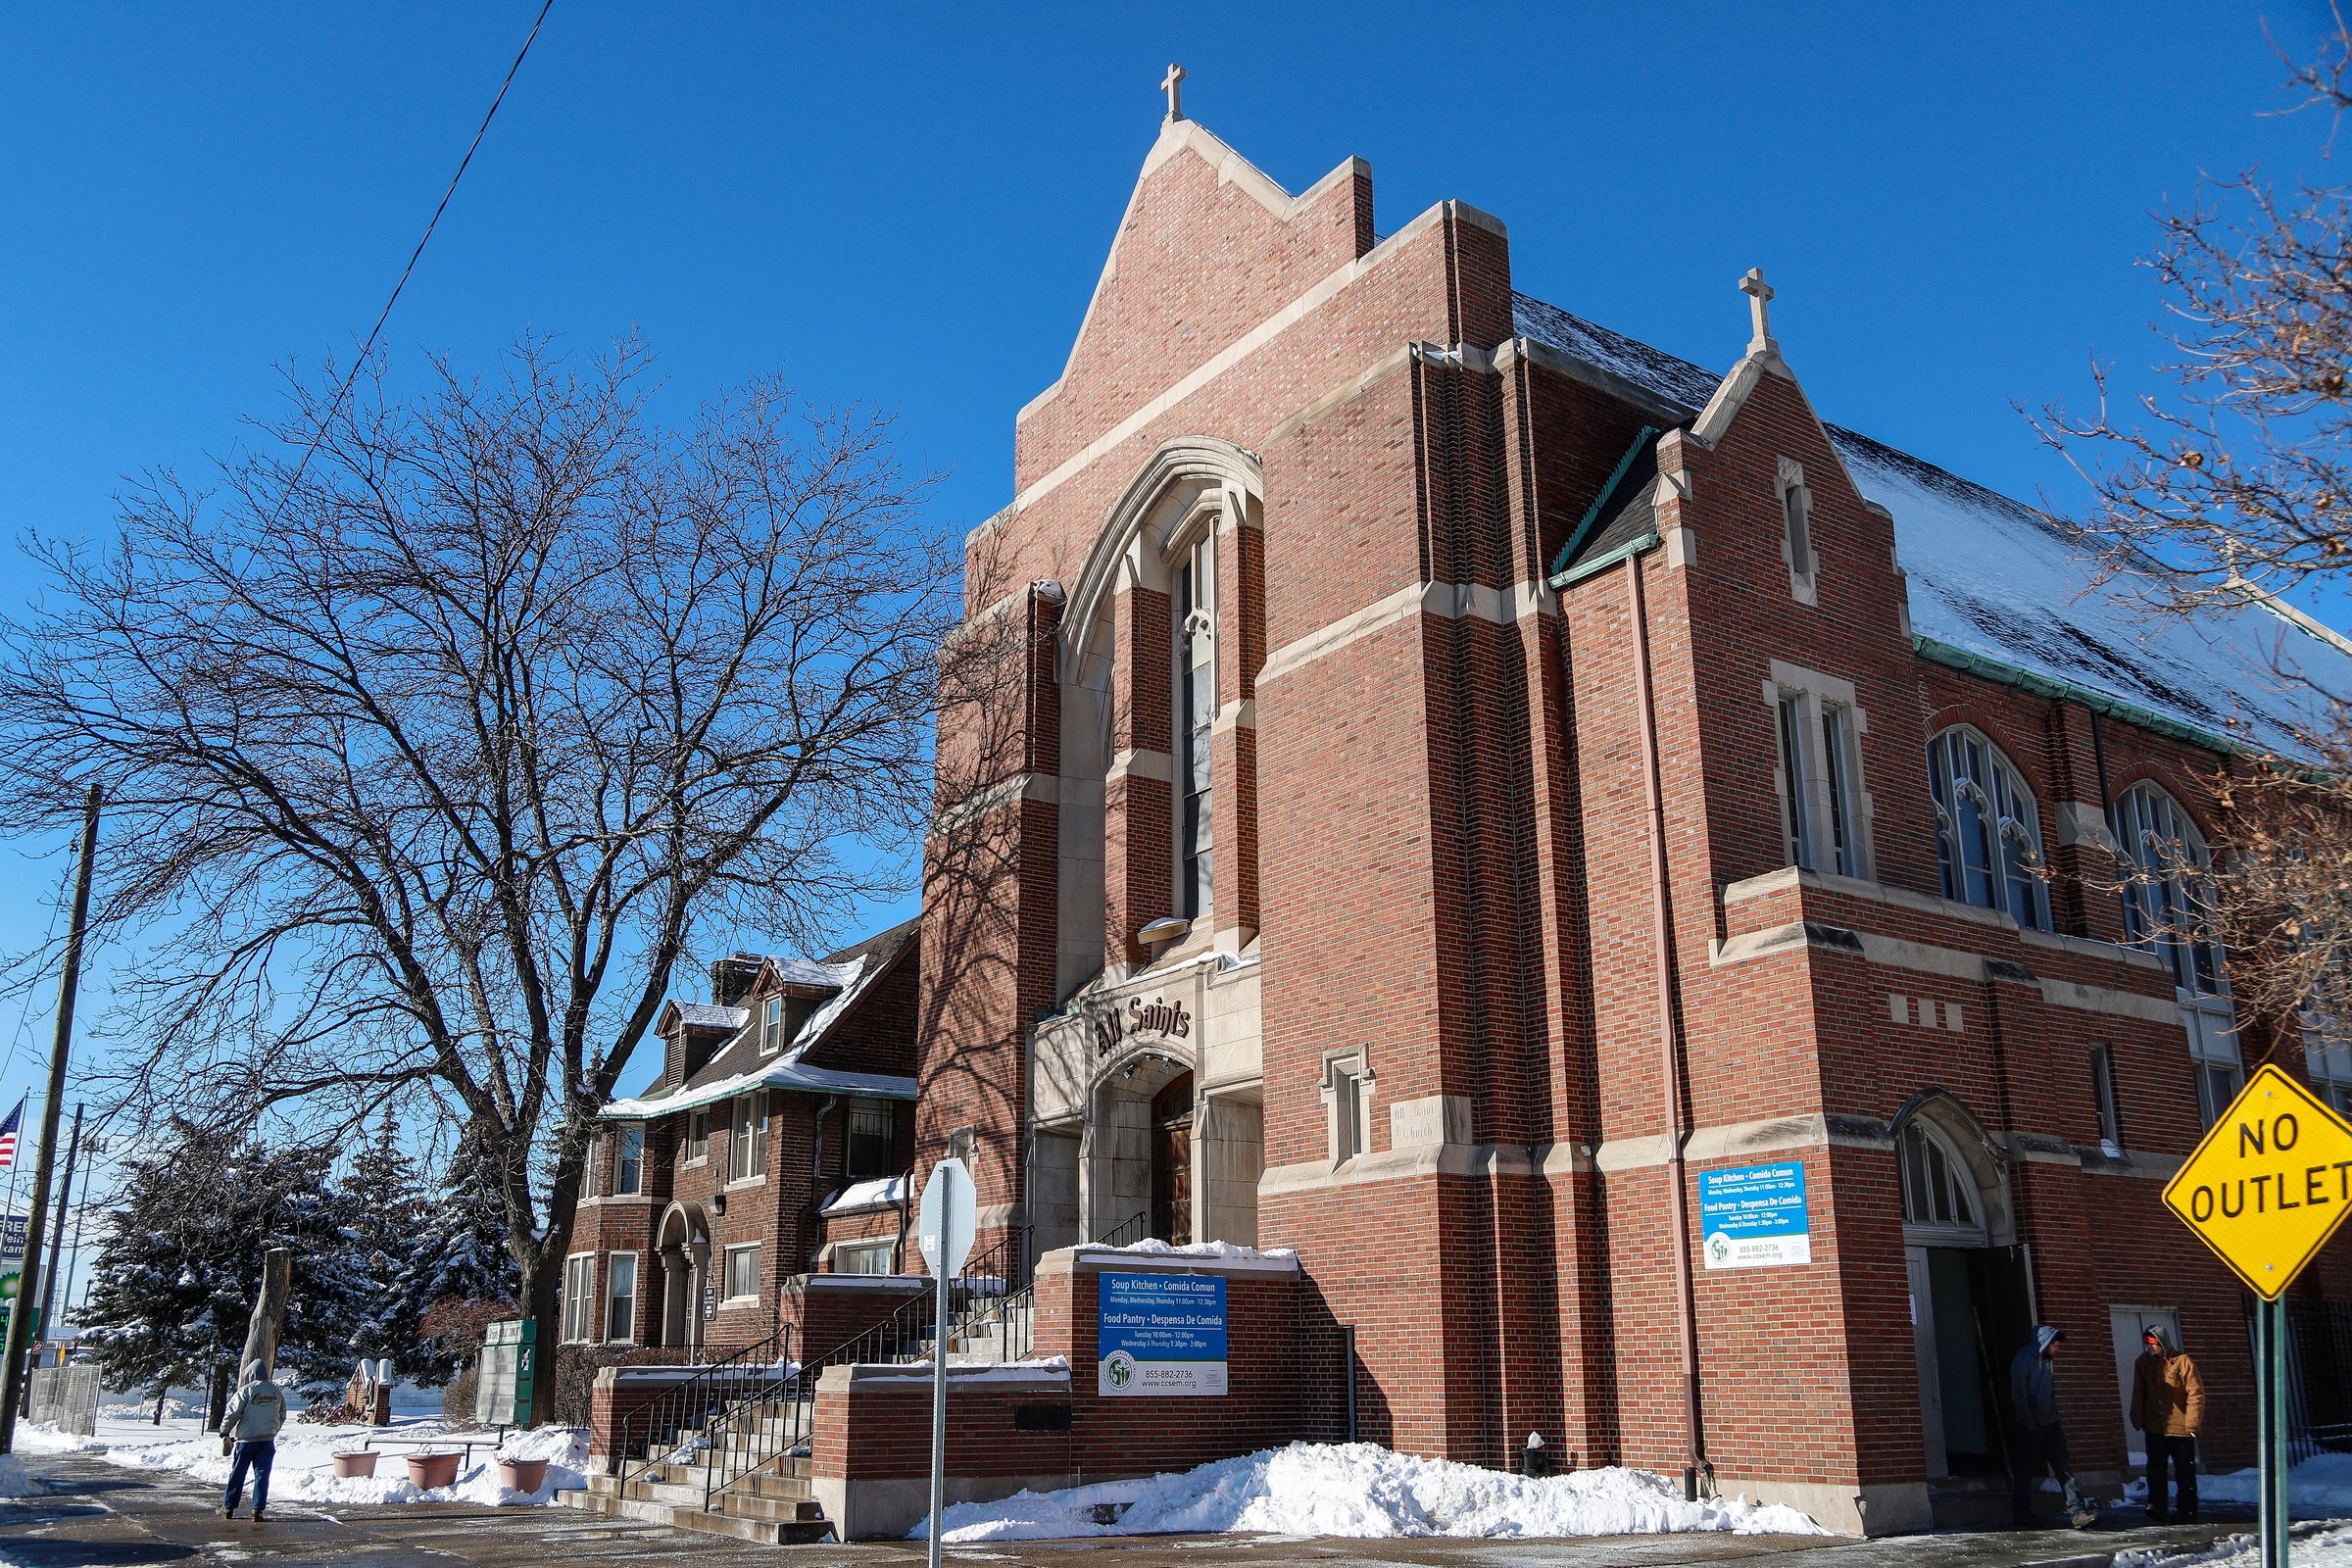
{"x":389,"y":1219}
{"x":463,"y":1256}
{"x":180,"y":1264}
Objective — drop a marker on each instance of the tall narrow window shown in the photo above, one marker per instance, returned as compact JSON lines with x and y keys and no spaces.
{"x":2165,"y":900}
{"x":1987,"y":828}
{"x":2213,"y":1056}
{"x":1344,"y":1080}
{"x":1798,"y":815}
{"x":1837,"y":764}
{"x":1796,"y":512}
{"x":579,"y":1297}
{"x":620,"y":1296}
{"x":2103,"y":1091}
{"x":772,"y":1025}
{"x":697,"y":1134}
{"x":746,"y":1148}
{"x":1195,"y":714}
{"x":628,"y":1162}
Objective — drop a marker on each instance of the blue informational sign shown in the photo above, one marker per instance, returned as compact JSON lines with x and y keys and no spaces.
{"x":1160,"y":1333}
{"x":1753,"y":1216}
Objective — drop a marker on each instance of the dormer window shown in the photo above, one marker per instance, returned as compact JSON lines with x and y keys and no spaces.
{"x":771,"y":1026}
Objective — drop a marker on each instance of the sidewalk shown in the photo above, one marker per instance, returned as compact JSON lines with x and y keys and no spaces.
{"x":97,"y":1514}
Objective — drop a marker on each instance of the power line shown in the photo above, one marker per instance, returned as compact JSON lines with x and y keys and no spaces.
{"x":343,"y":391}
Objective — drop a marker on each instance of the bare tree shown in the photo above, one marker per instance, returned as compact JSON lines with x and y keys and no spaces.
{"x":2237,"y":488}
{"x":431,"y":753}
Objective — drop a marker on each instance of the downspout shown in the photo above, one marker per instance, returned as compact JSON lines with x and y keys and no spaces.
{"x":816,"y":1173}
{"x":1670,"y":1052}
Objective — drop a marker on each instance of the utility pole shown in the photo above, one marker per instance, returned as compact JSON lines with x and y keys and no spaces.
{"x":19,"y":1321}
{"x":56,"y":1224}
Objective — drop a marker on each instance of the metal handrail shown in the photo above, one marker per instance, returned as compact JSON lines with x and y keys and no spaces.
{"x":1131,"y":1229}
{"x":678,"y":1403}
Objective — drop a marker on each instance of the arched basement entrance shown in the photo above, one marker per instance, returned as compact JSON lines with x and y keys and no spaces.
{"x":682,"y":1247}
{"x":1970,"y":1286}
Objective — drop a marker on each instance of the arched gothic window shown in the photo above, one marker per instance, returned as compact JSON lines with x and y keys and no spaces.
{"x":2166,"y":898}
{"x":1987,"y":828}
{"x":1939,"y":1190}
{"x":1195,"y":607}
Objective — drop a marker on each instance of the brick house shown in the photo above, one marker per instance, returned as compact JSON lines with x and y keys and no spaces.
{"x":774,"y":1144}
{"x":1451,"y":781}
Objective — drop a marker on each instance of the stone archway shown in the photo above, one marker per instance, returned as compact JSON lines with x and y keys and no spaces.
{"x":682,"y":1247}
{"x":1125,"y":1189}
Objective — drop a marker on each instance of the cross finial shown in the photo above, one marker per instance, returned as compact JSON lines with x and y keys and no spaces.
{"x":1759,"y":315}
{"x":1173,"y":85}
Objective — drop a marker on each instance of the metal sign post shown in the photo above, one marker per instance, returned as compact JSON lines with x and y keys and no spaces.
{"x":2264,"y":1189}
{"x":949,"y":1215}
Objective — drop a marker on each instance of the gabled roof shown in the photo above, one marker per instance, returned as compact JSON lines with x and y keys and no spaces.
{"x":738,"y":1066}
{"x":1996,"y":583}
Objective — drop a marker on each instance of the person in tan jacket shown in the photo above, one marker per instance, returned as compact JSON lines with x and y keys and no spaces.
{"x":2168,"y":1406}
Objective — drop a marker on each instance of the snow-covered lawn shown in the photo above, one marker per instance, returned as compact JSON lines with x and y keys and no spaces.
{"x":1357,"y":1488}
{"x":305,"y":1471}
{"x":2328,"y":1546}
{"x":2319,"y":1488}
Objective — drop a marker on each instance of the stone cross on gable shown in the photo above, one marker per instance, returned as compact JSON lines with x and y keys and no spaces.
{"x":1759,"y":297}
{"x":1173,"y":85}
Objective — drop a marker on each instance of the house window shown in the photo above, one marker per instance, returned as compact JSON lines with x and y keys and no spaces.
{"x":698,"y":1135}
{"x":2164,"y":896}
{"x":628,"y":1162}
{"x":2103,"y":1094}
{"x":1195,"y":715}
{"x":746,"y":1148}
{"x":2212,"y":1054}
{"x":1796,"y":517}
{"x":1820,"y":785}
{"x":861,"y":1257}
{"x":620,"y":1296}
{"x":1348,"y":1090}
{"x":743,"y":1272}
{"x":772,"y":1025}
{"x":873,"y":1139}
{"x":579,"y":1297}
{"x":1940,"y":1192}
{"x":1987,"y":828}
{"x":2328,"y":1053}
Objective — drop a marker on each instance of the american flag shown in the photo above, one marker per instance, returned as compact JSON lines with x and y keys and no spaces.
{"x":8,"y":1136}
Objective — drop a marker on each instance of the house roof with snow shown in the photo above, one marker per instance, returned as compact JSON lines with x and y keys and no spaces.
{"x":1995,"y":585}
{"x":739,"y":1066}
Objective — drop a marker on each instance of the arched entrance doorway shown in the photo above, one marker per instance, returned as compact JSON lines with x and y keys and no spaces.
{"x":1140,"y":1161}
{"x":1172,"y":1161}
{"x":683,"y":1247}
{"x":1970,"y":1287}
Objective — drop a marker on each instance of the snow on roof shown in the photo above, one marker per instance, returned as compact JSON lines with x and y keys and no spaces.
{"x":814,"y":973}
{"x":703,"y":1015}
{"x":888,"y":1190}
{"x":1993,"y":580}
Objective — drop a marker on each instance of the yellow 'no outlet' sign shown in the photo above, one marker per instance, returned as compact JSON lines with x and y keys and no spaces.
{"x":2270,"y":1184}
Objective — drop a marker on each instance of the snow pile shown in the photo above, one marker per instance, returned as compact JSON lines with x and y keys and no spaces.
{"x":305,"y":1468}
{"x":13,"y":1482}
{"x":1220,"y":1252}
{"x":2326,"y":1547}
{"x":2319,"y":1488}
{"x":1361,"y":1491}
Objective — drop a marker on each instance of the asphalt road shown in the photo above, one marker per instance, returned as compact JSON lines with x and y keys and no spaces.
{"x":94,"y":1515}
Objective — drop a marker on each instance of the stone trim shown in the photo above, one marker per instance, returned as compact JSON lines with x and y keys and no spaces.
{"x":1141,"y":762}
{"x":1039,"y":787}
{"x":1503,"y":606}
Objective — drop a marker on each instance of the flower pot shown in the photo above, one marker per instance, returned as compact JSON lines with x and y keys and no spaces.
{"x":431,"y":1472}
{"x":523,"y":1475}
{"x":360,"y":1464}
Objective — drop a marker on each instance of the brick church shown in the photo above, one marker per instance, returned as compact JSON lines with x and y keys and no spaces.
{"x":1434,"y":784}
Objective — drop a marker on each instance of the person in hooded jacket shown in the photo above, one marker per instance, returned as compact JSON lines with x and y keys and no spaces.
{"x":251,"y":1422}
{"x":2040,"y":1446}
{"x":2168,"y":1406}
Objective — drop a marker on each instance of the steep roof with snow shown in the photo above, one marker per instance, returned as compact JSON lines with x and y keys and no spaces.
{"x":1994,"y":580}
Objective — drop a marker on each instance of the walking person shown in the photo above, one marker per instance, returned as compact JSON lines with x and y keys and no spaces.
{"x":251,"y":1423}
{"x":2040,"y":1447}
{"x":2168,"y":1406}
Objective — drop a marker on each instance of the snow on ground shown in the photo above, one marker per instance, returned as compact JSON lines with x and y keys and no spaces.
{"x":2319,"y":1488}
{"x":305,"y":1471}
{"x":1359,"y":1489}
{"x":13,"y":1482}
{"x":2327,"y":1547}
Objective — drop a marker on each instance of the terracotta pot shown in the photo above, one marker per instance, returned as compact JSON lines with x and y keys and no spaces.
{"x":360,"y":1464}
{"x":431,"y":1472}
{"x":523,"y":1475}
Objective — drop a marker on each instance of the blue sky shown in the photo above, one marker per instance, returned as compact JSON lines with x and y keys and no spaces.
{"x":909,"y":205}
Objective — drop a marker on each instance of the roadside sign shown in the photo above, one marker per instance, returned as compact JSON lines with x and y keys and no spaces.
{"x":12,"y":1239}
{"x":2269,"y":1184}
{"x":950,"y":1213}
